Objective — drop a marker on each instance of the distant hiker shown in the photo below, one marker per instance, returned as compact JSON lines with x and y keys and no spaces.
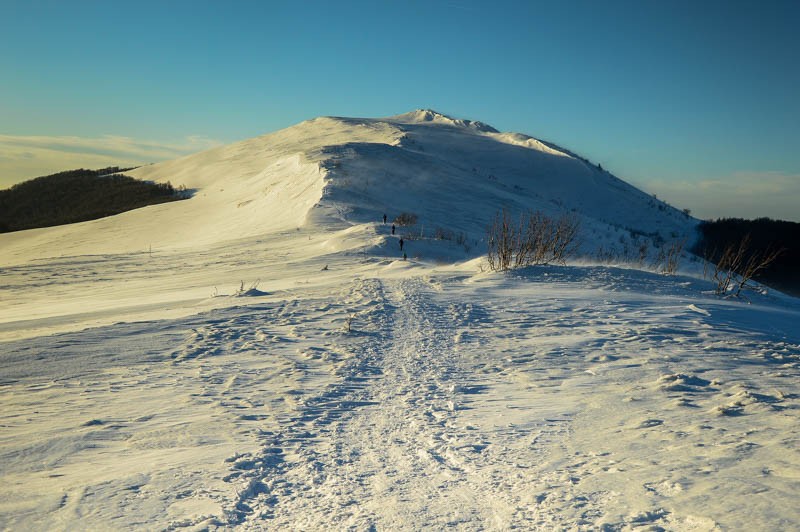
{"x":401,"y":243}
{"x":384,"y":218}
{"x":392,"y":228}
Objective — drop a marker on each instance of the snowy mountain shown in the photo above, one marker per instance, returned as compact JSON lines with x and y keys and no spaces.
{"x":260,"y":356}
{"x":338,"y":172}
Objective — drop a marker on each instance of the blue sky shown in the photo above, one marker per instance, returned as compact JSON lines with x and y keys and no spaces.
{"x":696,"y":101}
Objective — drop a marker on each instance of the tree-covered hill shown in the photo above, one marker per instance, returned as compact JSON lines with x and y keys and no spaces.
{"x":77,"y":196}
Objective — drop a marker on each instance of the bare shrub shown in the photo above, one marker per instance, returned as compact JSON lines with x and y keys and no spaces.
{"x":644,"y":247}
{"x":535,"y":239}
{"x":669,"y":257}
{"x":243,"y":291}
{"x":754,"y":264}
{"x":607,"y":256}
{"x":500,"y":241}
{"x":440,"y":233}
{"x":737,"y":265}
{"x":405,"y":218}
{"x":724,"y":271}
{"x":565,"y":241}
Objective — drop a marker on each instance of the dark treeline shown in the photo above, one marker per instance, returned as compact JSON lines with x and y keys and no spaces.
{"x":77,"y":196}
{"x":765,"y":234}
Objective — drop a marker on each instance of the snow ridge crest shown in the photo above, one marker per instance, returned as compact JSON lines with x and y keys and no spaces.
{"x":423,"y":116}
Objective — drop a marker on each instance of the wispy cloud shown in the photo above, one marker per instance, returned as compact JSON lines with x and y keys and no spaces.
{"x":24,"y":157}
{"x":742,"y":194}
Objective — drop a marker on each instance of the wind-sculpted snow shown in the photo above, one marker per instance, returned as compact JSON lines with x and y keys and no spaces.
{"x":557,"y":398}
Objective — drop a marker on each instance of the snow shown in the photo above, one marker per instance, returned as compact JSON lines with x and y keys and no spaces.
{"x":261,"y":356}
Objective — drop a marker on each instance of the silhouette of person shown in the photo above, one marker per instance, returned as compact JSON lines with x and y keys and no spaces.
{"x":401,"y":243}
{"x":384,"y":218}
{"x":392,"y":228}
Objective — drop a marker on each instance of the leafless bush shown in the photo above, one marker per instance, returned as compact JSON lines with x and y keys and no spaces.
{"x":737,"y":265}
{"x":535,"y":239}
{"x":243,"y":291}
{"x":607,"y":256}
{"x":644,"y":247}
{"x":460,"y":238}
{"x":669,"y":257}
{"x":405,"y":218}
{"x":724,"y":268}
{"x":500,"y":242}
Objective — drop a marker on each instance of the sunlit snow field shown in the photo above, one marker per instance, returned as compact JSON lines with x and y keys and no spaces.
{"x":261,"y":356}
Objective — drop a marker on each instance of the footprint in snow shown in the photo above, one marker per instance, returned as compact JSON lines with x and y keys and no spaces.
{"x":648,"y":423}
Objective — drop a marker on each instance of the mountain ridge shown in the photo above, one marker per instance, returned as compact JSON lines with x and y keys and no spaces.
{"x":331,"y":173}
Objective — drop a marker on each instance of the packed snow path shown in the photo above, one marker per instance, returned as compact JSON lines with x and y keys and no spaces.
{"x":500,"y":411}
{"x":557,"y":398}
{"x":385,"y":448}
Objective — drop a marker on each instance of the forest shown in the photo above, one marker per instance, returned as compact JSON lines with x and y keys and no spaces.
{"x":77,"y":196}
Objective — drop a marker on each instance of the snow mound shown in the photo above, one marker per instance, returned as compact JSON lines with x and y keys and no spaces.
{"x":518,"y":139}
{"x":423,"y":116}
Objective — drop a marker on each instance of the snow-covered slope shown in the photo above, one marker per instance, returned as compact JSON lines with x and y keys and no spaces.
{"x":335,"y":172}
{"x":320,"y":187}
{"x":260,"y":356}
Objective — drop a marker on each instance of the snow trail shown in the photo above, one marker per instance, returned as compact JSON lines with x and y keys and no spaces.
{"x":387,"y":446}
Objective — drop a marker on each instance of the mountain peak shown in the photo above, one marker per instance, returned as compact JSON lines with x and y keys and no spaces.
{"x":425,"y":116}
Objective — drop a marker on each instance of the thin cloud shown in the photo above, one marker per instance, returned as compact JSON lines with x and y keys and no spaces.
{"x":741,"y":195}
{"x":24,"y":157}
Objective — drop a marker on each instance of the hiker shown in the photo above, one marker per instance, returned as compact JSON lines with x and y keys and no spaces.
{"x":401,"y":243}
{"x":392,"y":228}
{"x":384,"y":218}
